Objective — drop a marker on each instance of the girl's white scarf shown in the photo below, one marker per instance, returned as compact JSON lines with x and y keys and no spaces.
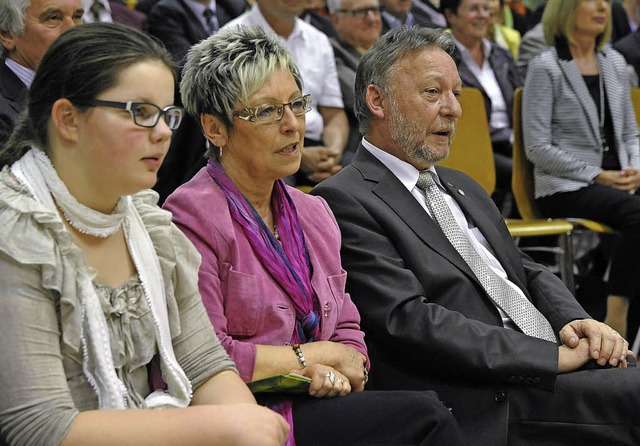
{"x":35,"y":172}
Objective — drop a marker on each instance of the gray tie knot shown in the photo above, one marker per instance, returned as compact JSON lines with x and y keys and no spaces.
{"x":425,"y":180}
{"x":210,"y":18}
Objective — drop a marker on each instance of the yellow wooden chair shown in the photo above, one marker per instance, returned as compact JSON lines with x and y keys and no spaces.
{"x":471,"y":150}
{"x":472,"y":153}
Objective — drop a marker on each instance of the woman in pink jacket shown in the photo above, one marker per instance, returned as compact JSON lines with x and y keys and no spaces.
{"x":271,"y":277}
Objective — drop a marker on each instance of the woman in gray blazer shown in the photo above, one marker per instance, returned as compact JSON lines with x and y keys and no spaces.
{"x":581,"y":135}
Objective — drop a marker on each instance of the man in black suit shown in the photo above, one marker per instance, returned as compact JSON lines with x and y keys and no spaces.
{"x":179,"y":24}
{"x":499,"y":337}
{"x":26,"y":33}
{"x":399,"y":13}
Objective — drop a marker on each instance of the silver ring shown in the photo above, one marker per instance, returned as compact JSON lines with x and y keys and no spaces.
{"x":332,"y":377}
{"x":366,"y":376}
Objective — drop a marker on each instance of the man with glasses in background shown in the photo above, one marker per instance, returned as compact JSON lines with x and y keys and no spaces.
{"x":27,"y":28}
{"x":359,"y":24}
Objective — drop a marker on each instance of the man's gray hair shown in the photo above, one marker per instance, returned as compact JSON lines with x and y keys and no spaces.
{"x":380,"y":62}
{"x":12,"y":13}
{"x":228,"y":67}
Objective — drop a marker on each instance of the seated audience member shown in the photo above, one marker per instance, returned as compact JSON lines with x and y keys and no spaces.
{"x":27,"y":28}
{"x":534,"y":42}
{"x":516,"y":15}
{"x":447,"y":300}
{"x":629,"y":46}
{"x":327,"y":126}
{"x":581,"y":135}
{"x":491,"y":69}
{"x":113,"y":11}
{"x":359,"y":26}
{"x":397,"y":13}
{"x":271,"y":278}
{"x":316,"y":14}
{"x":620,"y":26}
{"x":98,"y":290}
{"x":179,"y":24}
{"x":432,"y":10}
{"x":500,"y":33}
{"x":631,"y":8}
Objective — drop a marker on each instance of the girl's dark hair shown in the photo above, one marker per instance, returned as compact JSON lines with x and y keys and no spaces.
{"x":80,"y":64}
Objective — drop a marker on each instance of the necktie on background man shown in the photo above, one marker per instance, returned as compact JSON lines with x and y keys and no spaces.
{"x":95,"y":9}
{"x":211,"y":19}
{"x":519,"y":309}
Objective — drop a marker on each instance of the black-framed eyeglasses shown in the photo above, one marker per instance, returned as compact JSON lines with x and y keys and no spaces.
{"x":362,"y":13}
{"x":269,"y":113}
{"x":145,"y":114}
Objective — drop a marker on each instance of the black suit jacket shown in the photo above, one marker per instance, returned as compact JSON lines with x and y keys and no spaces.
{"x":429,"y":323}
{"x":173,"y":22}
{"x":12,"y":97}
{"x":178,"y":28}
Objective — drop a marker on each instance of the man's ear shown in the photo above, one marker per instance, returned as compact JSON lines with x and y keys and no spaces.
{"x":214,"y":130}
{"x":376,"y":101}
{"x":7,"y":40}
{"x":64,"y":120}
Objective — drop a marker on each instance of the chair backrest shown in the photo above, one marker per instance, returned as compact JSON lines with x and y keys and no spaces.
{"x":522,"y":182}
{"x":471,"y":151}
{"x":635,"y":99}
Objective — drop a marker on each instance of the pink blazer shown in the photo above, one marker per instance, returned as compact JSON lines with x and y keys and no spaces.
{"x":245,"y":305}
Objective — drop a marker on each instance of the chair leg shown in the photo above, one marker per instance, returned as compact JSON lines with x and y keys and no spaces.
{"x":566,"y":272}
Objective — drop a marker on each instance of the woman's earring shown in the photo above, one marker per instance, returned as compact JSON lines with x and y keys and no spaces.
{"x":220,"y":151}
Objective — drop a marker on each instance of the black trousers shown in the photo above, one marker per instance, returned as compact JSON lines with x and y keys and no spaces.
{"x":391,"y":418}
{"x":616,"y":208}
{"x":588,"y":408}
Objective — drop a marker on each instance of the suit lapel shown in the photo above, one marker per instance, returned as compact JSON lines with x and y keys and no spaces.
{"x":474,"y":211}
{"x":574,"y":79}
{"x":394,"y":195}
{"x":196,"y":29}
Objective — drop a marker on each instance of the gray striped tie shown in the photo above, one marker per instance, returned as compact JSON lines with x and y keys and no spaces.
{"x":517,"y":307}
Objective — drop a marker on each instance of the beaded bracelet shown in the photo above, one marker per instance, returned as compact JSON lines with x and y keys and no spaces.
{"x":298,"y":351}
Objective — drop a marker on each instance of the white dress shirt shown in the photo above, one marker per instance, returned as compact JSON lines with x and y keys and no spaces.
{"x":499,"y":118}
{"x":104,"y":15}
{"x":408,"y":176}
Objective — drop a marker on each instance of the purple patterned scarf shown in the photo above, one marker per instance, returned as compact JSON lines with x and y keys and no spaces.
{"x":286,"y":260}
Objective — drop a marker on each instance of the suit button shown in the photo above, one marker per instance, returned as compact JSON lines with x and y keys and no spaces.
{"x":500,"y":397}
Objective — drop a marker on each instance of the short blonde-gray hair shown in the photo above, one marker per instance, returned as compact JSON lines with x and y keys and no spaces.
{"x":230,"y":66}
